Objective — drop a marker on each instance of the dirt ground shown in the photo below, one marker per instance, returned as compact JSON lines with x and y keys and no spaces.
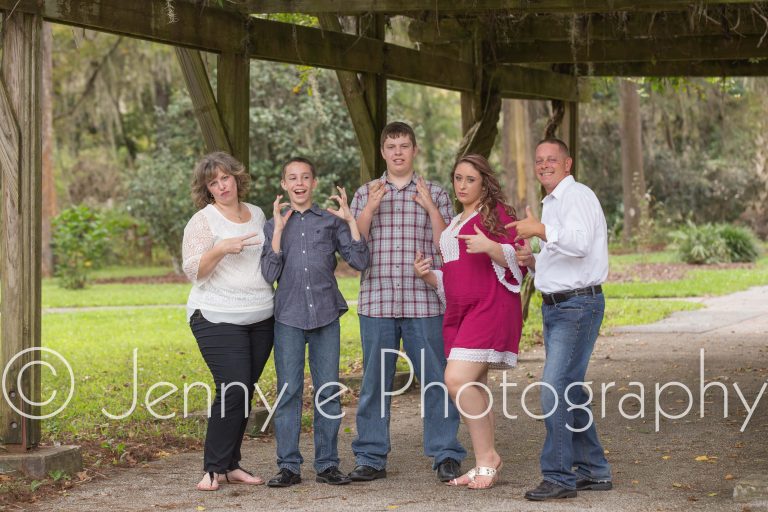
{"x":691,"y":463}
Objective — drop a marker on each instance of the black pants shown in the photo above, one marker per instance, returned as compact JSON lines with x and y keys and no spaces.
{"x":235,"y":354}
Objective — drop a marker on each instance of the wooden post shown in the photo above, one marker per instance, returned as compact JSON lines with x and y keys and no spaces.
{"x":203,"y":100}
{"x":375,"y":94}
{"x":233,"y":87}
{"x":21,"y":161}
{"x":569,"y":130}
{"x":480,"y":110}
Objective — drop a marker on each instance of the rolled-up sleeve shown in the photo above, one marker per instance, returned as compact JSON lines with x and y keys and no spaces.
{"x":444,"y":205}
{"x":354,"y":252}
{"x":198,"y":239}
{"x":359,"y":200}
{"x":271,"y":262}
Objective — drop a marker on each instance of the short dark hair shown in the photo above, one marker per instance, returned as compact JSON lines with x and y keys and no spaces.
{"x":558,"y":142}
{"x":301,"y":160}
{"x":397,"y":129}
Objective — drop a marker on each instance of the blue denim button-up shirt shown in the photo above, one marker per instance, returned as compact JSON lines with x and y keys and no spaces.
{"x":307,"y":295}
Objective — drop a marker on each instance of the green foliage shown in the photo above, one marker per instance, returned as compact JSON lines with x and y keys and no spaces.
{"x":701,"y":244}
{"x":742,"y":244}
{"x":130,"y":243}
{"x":79,"y":243}
{"x":159,"y":190}
{"x":715,"y":243}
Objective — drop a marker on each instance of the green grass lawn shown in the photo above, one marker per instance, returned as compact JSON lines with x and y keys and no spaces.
{"x":99,"y":344}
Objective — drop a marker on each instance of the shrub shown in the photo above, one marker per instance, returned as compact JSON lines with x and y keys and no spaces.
{"x":741,"y":242}
{"x":79,"y":244}
{"x":715,"y":243}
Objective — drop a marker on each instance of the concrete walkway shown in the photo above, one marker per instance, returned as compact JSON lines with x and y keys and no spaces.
{"x":652,"y":470}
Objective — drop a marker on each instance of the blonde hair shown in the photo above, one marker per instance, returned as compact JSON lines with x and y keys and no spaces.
{"x":208,"y":167}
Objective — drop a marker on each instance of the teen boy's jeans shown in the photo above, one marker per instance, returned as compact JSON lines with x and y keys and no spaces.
{"x":372,"y":443}
{"x":323,"y":345}
{"x":570,"y":330}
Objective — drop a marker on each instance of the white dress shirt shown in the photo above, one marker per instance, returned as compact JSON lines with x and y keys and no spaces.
{"x":575,"y":254}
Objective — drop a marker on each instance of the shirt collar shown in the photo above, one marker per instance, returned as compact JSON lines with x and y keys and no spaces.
{"x":314,"y":209}
{"x":385,"y":178}
{"x":561,"y":187}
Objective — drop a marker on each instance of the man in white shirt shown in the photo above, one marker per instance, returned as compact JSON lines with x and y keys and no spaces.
{"x":569,"y":271}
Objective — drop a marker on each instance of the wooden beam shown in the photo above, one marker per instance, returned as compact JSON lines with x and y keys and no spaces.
{"x":233,"y":87}
{"x":673,"y":69}
{"x":196,"y":26}
{"x":203,"y":100}
{"x":637,"y":50}
{"x":726,"y":22}
{"x":202,"y":28}
{"x":360,"y":115}
{"x":469,"y":6}
{"x":529,"y":83}
{"x":21,"y":227}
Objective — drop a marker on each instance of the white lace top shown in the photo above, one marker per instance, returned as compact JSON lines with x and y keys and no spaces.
{"x":235,"y":292}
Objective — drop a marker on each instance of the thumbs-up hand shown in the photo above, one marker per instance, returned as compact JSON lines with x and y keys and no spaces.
{"x":478,"y":242}
{"x":529,"y":227}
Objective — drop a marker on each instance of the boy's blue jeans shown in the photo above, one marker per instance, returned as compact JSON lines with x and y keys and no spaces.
{"x":570,"y":330}
{"x":441,"y":418}
{"x":323,"y":344}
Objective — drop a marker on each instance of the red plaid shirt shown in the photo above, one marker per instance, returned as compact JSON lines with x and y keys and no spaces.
{"x":400,"y":227}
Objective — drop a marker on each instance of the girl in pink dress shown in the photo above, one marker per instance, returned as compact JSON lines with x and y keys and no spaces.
{"x":480,"y":285}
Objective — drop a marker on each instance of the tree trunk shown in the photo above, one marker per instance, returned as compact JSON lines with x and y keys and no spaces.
{"x":633,"y":179}
{"x":50,"y":207}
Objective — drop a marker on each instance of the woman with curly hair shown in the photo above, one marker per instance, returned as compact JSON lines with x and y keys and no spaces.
{"x":480,"y":285}
{"x":229,"y":308}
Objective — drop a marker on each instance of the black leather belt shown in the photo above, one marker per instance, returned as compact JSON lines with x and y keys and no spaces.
{"x":553,"y":298}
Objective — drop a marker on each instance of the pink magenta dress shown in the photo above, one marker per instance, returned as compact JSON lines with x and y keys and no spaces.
{"x":483,"y":316}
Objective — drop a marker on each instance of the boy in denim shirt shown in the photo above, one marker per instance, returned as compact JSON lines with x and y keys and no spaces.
{"x":300,"y":254}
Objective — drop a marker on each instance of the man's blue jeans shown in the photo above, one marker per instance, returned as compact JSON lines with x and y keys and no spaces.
{"x":419,"y":335}
{"x":570,"y":331}
{"x":323,"y":345}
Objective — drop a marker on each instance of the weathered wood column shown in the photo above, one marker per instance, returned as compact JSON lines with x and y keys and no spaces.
{"x":375,"y":93}
{"x":233,"y":90}
{"x":21,"y":168}
{"x":480,"y":109}
{"x":366,"y":102}
{"x":203,"y":100}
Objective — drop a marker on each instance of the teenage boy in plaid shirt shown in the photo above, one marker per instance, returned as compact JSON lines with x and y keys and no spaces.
{"x":401,"y":214}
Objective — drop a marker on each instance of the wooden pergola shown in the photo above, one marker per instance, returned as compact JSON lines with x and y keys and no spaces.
{"x":485,"y":49}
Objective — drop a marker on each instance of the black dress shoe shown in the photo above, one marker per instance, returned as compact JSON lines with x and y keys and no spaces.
{"x":333,"y":476}
{"x":364,"y":473}
{"x":285,"y":478}
{"x":549,"y":491}
{"x":448,"y":469}
{"x":583,"y":484}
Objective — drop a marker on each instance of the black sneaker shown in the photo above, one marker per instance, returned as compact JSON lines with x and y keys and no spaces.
{"x":284,"y":478}
{"x":332,"y":476}
{"x":582,"y":484}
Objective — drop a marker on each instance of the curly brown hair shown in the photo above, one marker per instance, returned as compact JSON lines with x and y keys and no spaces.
{"x":206,"y":170}
{"x":491,"y":193}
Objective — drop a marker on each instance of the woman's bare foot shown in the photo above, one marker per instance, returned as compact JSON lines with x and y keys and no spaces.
{"x":464,"y":479}
{"x":208,"y":483}
{"x":239,"y":476}
{"x":486,"y":481}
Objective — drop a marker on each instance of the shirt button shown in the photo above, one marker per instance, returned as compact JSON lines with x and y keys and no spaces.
{"x":302,"y":234}
{"x":303,"y":252}
{"x":305,"y":269}
{"x":307,"y":287}
{"x":310,"y":305}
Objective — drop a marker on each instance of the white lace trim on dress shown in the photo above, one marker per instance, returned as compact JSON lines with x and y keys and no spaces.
{"x":449,"y":244}
{"x":511,"y":258}
{"x":440,"y":288}
{"x":494,"y":358}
